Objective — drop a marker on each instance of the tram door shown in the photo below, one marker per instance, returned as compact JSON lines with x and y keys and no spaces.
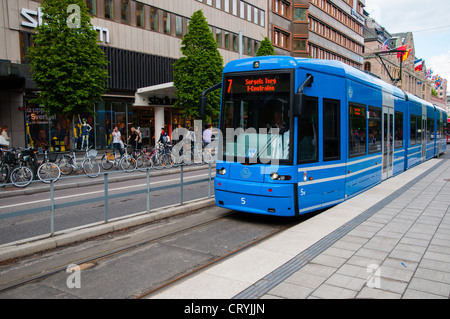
{"x":388,"y":142}
{"x":424,"y":135}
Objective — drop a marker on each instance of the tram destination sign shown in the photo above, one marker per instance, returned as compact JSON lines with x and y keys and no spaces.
{"x":258,"y":83}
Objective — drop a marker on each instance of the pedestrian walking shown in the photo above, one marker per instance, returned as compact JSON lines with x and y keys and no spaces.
{"x":117,"y":140}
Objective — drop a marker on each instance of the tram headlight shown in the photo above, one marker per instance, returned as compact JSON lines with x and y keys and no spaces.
{"x":221,"y":171}
{"x":276,"y":177}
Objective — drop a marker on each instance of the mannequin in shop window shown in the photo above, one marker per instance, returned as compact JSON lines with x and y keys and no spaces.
{"x":85,"y":130}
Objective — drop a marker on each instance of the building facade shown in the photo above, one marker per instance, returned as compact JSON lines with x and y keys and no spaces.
{"x":412,"y":81}
{"x":321,"y":29}
{"x":141,"y":40}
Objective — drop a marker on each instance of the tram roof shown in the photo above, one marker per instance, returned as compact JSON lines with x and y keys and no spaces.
{"x":336,"y":68}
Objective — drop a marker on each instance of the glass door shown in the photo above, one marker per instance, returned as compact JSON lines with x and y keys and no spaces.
{"x":388,"y":142}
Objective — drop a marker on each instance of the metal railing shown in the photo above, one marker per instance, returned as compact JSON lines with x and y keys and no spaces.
{"x":106,"y":197}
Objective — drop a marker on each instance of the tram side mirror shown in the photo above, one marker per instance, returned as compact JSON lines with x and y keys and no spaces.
{"x":299,"y":102}
{"x":202,"y":106}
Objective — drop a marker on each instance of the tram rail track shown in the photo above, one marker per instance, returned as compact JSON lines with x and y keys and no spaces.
{"x":208,"y":224}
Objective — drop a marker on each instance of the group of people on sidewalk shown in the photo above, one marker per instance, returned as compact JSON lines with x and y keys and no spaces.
{"x":135,"y":139}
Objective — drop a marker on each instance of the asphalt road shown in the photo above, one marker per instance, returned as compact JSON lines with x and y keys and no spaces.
{"x":82,"y":213}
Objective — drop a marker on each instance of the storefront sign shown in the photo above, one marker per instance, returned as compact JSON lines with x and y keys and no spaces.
{"x":34,"y":18}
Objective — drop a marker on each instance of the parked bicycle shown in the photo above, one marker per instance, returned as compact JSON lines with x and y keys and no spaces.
{"x":7,"y":163}
{"x":111,"y":159}
{"x":48,"y":170}
{"x":163,"y":157}
{"x":127,"y":163}
{"x":22,"y":175}
{"x":89,"y":164}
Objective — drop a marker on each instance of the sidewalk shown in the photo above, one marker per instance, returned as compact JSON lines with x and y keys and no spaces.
{"x":390,"y":242}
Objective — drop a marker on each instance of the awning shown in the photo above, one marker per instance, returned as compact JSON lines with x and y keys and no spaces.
{"x":161,"y":94}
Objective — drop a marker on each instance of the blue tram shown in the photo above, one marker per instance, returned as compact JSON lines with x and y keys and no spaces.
{"x":298,"y":135}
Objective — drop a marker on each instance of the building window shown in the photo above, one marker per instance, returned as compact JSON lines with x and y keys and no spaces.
{"x":92,"y":7}
{"x":218,"y":4}
{"x":227,"y":40}
{"x":283,"y":8}
{"x":219,"y":38}
{"x":140,"y":19}
{"x":299,"y":45}
{"x":235,"y":7}
{"x":125,"y":11}
{"x":300,"y":14}
{"x":242,"y":9}
{"x":166,"y":22}
{"x":227,"y":5}
{"x":179,"y":26}
{"x":154,"y":24}
{"x":109,"y":9}
{"x":281,"y":39}
{"x":235,"y":42}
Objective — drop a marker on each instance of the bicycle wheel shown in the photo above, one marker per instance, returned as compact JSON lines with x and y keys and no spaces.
{"x":66,"y":164}
{"x":48,"y":172}
{"x":21,"y":176}
{"x":155,"y":160}
{"x":147,"y":163}
{"x":139,"y":161}
{"x":4,"y":175}
{"x":107,"y":161}
{"x":167,"y":160}
{"x":127,"y":163}
{"x":90,"y":167}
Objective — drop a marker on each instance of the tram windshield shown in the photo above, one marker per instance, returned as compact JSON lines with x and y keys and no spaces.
{"x":256,"y":118}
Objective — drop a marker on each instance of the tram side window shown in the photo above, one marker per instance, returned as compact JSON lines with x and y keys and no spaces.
{"x":308,"y":148}
{"x":374,"y":130}
{"x":357,"y":130}
{"x":419,"y":129}
{"x":430,"y":135}
{"x":331,"y":130}
{"x":398,"y":143}
{"x":413,"y":131}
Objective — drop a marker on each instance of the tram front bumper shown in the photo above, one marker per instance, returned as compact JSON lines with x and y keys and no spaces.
{"x":255,"y":197}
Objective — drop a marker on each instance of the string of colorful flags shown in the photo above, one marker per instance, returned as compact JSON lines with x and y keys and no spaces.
{"x":418,"y":63}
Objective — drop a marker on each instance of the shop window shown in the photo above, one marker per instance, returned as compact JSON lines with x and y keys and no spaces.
{"x":357,"y":130}
{"x":374,"y":130}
